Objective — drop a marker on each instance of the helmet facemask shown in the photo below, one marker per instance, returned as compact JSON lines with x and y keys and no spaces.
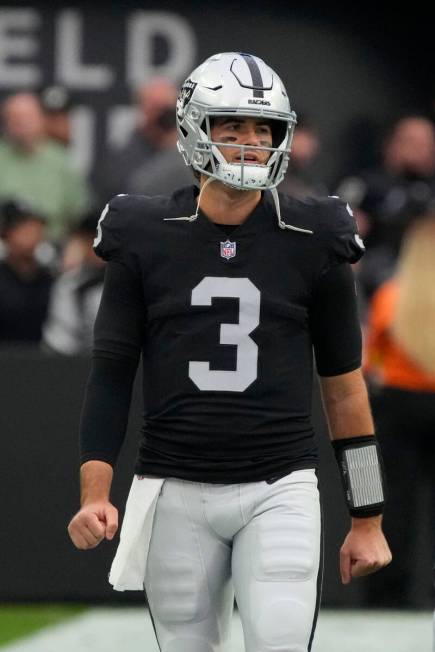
{"x":208,"y":158}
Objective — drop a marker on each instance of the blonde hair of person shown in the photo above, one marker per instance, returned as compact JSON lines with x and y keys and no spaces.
{"x":414,"y":320}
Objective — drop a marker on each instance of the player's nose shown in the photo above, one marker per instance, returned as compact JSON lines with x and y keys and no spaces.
{"x":251,"y":136}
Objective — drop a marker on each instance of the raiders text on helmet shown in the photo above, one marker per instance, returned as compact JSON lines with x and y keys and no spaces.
{"x":239,"y":84}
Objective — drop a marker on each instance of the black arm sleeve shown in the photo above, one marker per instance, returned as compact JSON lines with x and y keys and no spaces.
{"x":334,"y":322}
{"x":118,"y":334}
{"x":105,"y":409}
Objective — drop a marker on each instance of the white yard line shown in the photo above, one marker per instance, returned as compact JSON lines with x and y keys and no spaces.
{"x":121,"y":630}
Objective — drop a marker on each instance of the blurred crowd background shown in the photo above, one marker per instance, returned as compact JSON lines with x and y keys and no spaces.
{"x":365,"y":132}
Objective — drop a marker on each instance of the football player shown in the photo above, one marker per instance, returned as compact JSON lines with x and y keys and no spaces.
{"x":226,"y":291}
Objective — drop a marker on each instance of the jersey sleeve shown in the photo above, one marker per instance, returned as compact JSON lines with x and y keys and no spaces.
{"x":340,"y":232}
{"x":109,"y":243}
{"x":119,"y":333}
{"x":334,"y":322}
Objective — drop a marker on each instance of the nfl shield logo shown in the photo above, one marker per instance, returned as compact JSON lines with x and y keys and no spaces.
{"x":228,"y":249}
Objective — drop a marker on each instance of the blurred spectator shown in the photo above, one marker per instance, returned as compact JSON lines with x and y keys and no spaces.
{"x":401,"y":361}
{"x":358,"y":146}
{"x":76,"y":294}
{"x":56,"y":105}
{"x":387,"y":198}
{"x":35,"y":168}
{"x":24,"y":282}
{"x":301,"y":179}
{"x":149,"y":163}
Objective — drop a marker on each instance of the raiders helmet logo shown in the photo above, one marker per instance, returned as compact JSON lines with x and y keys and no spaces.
{"x":184,"y":97}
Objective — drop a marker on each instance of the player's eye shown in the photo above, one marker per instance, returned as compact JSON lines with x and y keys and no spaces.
{"x":230,"y":131}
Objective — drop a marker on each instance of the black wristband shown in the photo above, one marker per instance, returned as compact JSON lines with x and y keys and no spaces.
{"x":360,"y":463}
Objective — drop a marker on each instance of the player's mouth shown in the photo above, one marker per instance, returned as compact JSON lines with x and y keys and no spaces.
{"x":249,"y":158}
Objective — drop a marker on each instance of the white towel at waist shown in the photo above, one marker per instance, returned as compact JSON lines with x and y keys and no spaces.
{"x":128,"y":567}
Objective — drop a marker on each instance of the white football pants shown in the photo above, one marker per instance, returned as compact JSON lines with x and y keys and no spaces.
{"x":260,"y":541}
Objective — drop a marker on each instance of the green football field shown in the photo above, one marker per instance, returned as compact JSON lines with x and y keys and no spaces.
{"x":17,"y":621}
{"x":64,"y":628}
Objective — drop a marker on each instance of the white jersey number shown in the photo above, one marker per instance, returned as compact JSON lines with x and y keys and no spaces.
{"x":237,"y":334}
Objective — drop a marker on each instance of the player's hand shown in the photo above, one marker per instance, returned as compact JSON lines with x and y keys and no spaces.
{"x":93,"y":523}
{"x":365,"y":549}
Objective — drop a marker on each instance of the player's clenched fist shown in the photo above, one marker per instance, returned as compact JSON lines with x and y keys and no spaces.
{"x":93,"y":523}
{"x":364,"y":550}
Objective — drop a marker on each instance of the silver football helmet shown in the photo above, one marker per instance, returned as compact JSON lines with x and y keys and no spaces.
{"x":234,"y":83}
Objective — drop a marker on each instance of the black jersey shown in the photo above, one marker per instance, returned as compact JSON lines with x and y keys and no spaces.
{"x":227,"y":341}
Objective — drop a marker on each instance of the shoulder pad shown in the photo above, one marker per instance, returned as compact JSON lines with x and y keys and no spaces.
{"x":107,"y":243}
{"x":331,"y":221}
{"x":113,"y":226}
{"x":340,"y":230}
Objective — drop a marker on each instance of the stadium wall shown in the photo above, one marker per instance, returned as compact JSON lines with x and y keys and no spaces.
{"x":41,"y":400}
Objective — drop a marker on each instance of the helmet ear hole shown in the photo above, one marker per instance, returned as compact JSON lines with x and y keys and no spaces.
{"x":279,"y":130}
{"x":210,"y":121}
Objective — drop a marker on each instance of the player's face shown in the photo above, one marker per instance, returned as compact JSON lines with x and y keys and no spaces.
{"x":243,"y":131}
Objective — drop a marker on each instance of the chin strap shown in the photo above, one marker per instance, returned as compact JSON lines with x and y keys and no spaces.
{"x":281,"y":223}
{"x":192,"y":218}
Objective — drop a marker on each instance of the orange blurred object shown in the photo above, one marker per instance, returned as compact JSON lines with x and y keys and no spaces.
{"x":386,"y":361}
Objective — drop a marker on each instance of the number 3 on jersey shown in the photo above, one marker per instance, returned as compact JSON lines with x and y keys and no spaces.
{"x":236,"y":334}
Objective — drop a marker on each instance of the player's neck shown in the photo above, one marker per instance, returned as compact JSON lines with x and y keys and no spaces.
{"x":225,"y":205}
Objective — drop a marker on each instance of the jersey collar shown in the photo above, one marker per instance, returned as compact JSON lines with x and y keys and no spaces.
{"x":261,"y":219}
